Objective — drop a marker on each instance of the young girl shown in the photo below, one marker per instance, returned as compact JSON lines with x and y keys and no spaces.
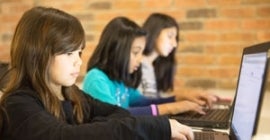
{"x":114,"y":72}
{"x":158,"y":64}
{"x":41,"y":101}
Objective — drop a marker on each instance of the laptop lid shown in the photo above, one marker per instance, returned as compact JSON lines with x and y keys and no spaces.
{"x":249,"y":92}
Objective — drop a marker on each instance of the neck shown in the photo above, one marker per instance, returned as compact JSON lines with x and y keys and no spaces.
{"x":57,"y":90}
{"x":152,"y":57}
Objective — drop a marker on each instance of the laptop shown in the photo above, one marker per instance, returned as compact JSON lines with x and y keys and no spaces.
{"x":220,"y":116}
{"x":249,"y":95}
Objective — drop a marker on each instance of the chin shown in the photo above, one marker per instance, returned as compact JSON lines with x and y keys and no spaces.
{"x":165,"y":55}
{"x":69,"y":84}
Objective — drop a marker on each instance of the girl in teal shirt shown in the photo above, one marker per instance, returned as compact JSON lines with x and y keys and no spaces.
{"x":114,"y":72}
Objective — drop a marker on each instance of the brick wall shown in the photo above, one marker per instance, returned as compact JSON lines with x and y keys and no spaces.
{"x":213,"y":32}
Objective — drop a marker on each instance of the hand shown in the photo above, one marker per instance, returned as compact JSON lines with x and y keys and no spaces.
{"x":180,"y":131}
{"x":200,"y":97}
{"x":180,"y":107}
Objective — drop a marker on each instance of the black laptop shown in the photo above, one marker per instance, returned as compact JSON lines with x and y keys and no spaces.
{"x":252,"y":75}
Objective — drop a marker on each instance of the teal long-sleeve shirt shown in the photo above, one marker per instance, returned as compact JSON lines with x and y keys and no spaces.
{"x":97,"y":84}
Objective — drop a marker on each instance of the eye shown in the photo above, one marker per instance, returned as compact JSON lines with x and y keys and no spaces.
{"x":80,"y":53}
{"x":136,"y":52}
{"x":69,"y":53}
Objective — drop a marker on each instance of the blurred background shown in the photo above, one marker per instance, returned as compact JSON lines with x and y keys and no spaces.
{"x":212,"y":34}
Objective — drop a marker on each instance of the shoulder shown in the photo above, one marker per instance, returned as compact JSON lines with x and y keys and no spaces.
{"x":94,"y":79}
{"x":21,"y":96}
{"x":95,"y":73}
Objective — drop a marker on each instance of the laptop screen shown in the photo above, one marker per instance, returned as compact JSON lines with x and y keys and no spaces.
{"x":249,"y":90}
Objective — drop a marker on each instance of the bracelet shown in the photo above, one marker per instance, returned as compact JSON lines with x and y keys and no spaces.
{"x":154,"y":110}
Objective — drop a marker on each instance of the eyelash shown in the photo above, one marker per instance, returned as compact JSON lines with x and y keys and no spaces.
{"x":70,"y":53}
{"x":135,"y":53}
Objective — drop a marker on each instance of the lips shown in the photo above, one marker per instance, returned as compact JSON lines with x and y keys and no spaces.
{"x":75,"y":74}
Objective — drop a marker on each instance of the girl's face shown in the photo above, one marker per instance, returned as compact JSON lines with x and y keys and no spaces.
{"x":65,"y":68}
{"x":166,"y":41}
{"x":136,"y":53}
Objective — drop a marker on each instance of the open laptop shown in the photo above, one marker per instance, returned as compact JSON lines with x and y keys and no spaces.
{"x":249,"y":95}
{"x":222,"y":116}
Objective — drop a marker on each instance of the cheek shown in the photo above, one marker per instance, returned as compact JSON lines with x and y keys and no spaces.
{"x":132,"y":60}
{"x":161,"y":48}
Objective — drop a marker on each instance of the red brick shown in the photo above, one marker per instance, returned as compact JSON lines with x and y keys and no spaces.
{"x":196,"y":59}
{"x":177,"y":14}
{"x":256,"y":1}
{"x":16,"y":7}
{"x":238,"y":36}
{"x":199,"y":37}
{"x":230,"y":60}
{"x":127,"y":5}
{"x":256,"y":24}
{"x":243,"y":12}
{"x":189,"y":3}
{"x":11,"y":18}
{"x":192,"y":71}
{"x":137,"y":16}
{"x":104,"y":19}
{"x":224,"y":2}
{"x":264,"y":36}
{"x":225,"y":48}
{"x":222,"y":72}
{"x":222,"y":25}
{"x":227,"y":84}
{"x":157,"y":3}
{"x":263,"y":11}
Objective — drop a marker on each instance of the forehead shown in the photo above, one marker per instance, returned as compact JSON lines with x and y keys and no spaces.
{"x":139,"y":42}
{"x":169,"y":29}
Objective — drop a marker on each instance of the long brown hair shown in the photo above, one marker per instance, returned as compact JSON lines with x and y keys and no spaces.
{"x":41,"y":34}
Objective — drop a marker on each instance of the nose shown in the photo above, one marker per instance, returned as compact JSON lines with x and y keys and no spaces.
{"x":174,"y":43}
{"x":139,"y":60}
{"x":78,"y":61}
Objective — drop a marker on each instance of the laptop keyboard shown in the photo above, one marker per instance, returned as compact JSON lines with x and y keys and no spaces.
{"x":204,"y":136}
{"x":212,"y":114}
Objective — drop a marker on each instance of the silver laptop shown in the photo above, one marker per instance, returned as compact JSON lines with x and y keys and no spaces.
{"x":248,"y":99}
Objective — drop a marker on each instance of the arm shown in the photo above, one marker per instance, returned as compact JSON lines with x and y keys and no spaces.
{"x":162,"y":106}
{"x":29,"y":120}
{"x":107,"y":110}
{"x":96,"y":84}
{"x":137,"y":99}
{"x":146,"y":110}
{"x":141,"y":105}
{"x":178,"y":131}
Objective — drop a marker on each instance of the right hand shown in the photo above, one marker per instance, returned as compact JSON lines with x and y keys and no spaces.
{"x":200,"y":97}
{"x":180,"y":107}
{"x":180,"y":131}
